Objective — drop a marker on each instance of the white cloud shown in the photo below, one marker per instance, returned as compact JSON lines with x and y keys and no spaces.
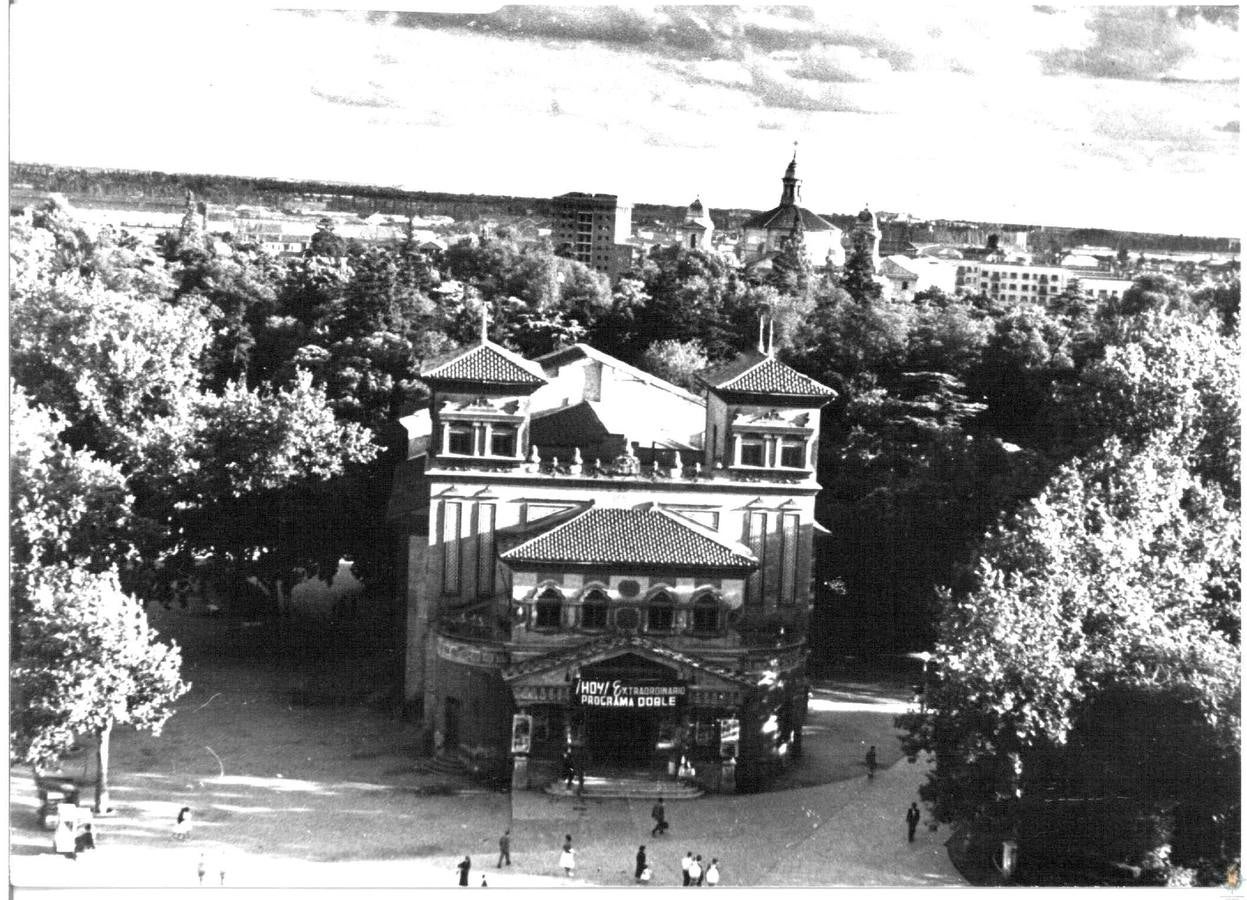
{"x":964,"y":121}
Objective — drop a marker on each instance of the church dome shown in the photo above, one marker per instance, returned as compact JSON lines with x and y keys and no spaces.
{"x":695,"y":209}
{"x":866,"y":216}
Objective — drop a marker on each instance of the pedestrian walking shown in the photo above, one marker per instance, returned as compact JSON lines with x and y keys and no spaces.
{"x":221,"y":874}
{"x":202,"y":868}
{"x":687,"y":864}
{"x":712,"y":873}
{"x":464,"y":867}
{"x":659,"y":815}
{"x":640,"y":861}
{"x":694,"y":872}
{"x":484,"y":883}
{"x":911,"y":820}
{"x":567,"y":859}
{"x":504,"y":848}
{"x":182,"y":827}
{"x":701,"y":871}
{"x":569,"y":769}
{"x":872,"y":762}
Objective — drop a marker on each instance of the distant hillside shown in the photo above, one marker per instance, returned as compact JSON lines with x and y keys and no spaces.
{"x":164,"y":188}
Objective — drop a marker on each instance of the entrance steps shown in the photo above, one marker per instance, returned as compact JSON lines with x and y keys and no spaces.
{"x":627,"y":787}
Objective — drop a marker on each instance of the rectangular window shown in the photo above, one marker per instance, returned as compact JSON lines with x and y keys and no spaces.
{"x":502,"y":441}
{"x":792,"y":453}
{"x":755,"y":540}
{"x":485,"y":549}
{"x":459,"y":440}
{"x":788,"y":576}
{"x":451,"y":517}
{"x":752,"y":451}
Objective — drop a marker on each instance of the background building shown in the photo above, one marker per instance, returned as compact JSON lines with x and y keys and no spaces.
{"x":696,"y":232}
{"x":764,"y":235}
{"x":593,"y":229}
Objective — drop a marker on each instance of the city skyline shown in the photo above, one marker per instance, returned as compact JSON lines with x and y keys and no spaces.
{"x":1118,"y":117}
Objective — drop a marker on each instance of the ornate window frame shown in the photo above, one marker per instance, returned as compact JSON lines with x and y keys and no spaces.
{"x":773,"y":431}
{"x":652,"y":602}
{"x":481,"y":417}
{"x":546,"y":591}
{"x":595,"y":587}
{"x":699,"y":601}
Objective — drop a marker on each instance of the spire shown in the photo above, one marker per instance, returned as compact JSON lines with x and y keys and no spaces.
{"x":484,"y":322}
{"x":792,"y":184}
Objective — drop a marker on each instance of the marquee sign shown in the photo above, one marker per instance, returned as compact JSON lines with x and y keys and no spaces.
{"x":628,"y":693}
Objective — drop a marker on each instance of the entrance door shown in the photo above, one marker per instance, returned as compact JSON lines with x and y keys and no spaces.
{"x":620,"y":737}
{"x":624,"y":735}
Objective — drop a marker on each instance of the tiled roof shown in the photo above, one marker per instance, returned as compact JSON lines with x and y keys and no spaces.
{"x":649,"y":536}
{"x":592,"y":651}
{"x":753,"y":373}
{"x":784,"y":217}
{"x":485,"y":363}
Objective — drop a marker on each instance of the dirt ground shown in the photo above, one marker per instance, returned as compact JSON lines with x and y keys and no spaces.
{"x":289,"y":754}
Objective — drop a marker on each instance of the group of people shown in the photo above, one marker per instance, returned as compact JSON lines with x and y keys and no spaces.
{"x":694,"y":872}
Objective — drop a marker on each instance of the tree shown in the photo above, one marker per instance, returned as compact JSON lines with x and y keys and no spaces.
{"x":1164,"y":373}
{"x":676,"y":361}
{"x":326,"y":241}
{"x":100,"y":338}
{"x":87,"y":660}
{"x":1119,"y":580}
{"x":858,"y":277}
{"x":790,"y":268}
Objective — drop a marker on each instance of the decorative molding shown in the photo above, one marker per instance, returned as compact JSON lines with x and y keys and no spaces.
{"x":469,"y":654}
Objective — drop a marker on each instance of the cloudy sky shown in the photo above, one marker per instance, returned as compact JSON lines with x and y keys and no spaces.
{"x":1123,"y":116}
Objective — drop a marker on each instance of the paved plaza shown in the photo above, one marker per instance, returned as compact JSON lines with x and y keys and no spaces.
{"x":848,"y":832}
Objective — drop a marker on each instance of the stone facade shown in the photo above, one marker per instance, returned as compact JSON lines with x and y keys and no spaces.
{"x":682,"y":573}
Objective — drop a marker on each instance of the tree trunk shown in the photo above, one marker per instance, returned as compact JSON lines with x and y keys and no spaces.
{"x":101,"y":770}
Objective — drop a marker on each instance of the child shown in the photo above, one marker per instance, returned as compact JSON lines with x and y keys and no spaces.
{"x":567,"y":859}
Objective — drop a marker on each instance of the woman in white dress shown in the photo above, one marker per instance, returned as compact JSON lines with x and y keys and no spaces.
{"x":567,"y":859}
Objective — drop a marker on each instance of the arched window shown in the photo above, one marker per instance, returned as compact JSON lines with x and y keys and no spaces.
{"x":549,"y":609}
{"x":706,"y":614}
{"x":593,"y":610}
{"x":661,"y":612}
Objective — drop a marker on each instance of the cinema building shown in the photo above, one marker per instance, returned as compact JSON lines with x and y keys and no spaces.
{"x":602,"y":563}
